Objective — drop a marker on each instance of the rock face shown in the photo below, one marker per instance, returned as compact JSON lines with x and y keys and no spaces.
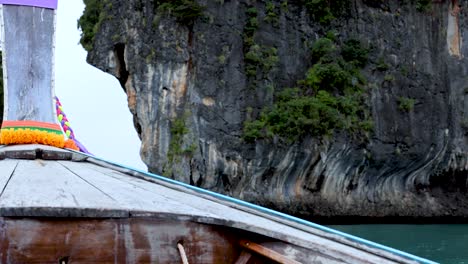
{"x":190,"y":95}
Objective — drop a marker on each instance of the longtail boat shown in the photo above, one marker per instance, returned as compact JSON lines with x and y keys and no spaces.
{"x":59,"y":204}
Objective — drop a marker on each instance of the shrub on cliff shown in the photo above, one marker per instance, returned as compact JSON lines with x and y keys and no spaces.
{"x":353,"y":51}
{"x":423,"y":5}
{"x":323,"y":48}
{"x":295,"y":114}
{"x":185,"y":11}
{"x":329,"y":98}
{"x":89,"y":22}
{"x":325,"y":11}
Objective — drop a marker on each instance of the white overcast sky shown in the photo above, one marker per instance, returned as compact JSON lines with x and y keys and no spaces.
{"x":94,"y":102}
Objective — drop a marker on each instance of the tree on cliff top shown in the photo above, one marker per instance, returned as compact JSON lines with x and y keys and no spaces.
{"x":89,"y":22}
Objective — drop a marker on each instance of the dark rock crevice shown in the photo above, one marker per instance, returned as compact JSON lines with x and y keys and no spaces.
{"x":121,"y":67}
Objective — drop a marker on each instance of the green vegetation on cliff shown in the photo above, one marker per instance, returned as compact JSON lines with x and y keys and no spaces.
{"x":89,"y":22}
{"x":185,"y":11}
{"x":330,"y":97}
{"x":423,"y":5}
{"x":259,"y":59}
{"x":406,"y":104}
{"x":179,"y":130}
{"x":325,"y":11}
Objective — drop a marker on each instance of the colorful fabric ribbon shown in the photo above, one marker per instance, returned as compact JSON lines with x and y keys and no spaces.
{"x":63,"y":120}
{"x":33,"y":132}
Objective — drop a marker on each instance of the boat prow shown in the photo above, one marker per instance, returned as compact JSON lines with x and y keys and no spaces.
{"x":57,"y":203}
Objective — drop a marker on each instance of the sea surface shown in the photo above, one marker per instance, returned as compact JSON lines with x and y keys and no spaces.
{"x":446,"y":244}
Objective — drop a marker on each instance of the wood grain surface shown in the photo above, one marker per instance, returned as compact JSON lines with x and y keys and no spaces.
{"x":113,"y":241}
{"x":28,"y":57}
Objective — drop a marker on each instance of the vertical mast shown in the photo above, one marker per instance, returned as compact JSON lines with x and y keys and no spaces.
{"x":28,"y":65}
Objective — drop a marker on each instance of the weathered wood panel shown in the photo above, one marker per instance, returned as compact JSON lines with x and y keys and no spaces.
{"x":267,"y":252}
{"x":202,"y":243}
{"x":36,"y":151}
{"x":299,"y":254}
{"x":140,"y":240}
{"x":6,"y":171}
{"x":243,"y":258}
{"x":132,"y":197}
{"x":46,"y":241}
{"x":28,"y":56}
{"x":236,"y":218}
{"x":113,"y":241}
{"x":38,"y":185}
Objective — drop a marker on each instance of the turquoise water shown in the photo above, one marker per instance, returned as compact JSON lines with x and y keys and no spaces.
{"x":446,"y":244}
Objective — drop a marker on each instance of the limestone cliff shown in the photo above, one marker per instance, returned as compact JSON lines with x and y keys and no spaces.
{"x":191,"y":87}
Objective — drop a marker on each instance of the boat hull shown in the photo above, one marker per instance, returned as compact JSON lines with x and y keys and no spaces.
{"x":135,"y":240}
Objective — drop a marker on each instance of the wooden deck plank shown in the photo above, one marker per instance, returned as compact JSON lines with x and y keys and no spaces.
{"x":35,"y":151}
{"x":129,"y":196}
{"x":198,"y":203}
{"x":268,"y":253}
{"x":244,"y":257}
{"x":38,"y":184}
{"x":297,"y":253}
{"x":220,"y":211}
{"x":7,"y":168}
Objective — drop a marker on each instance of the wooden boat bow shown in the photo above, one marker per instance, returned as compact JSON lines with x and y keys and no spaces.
{"x":60,"y":205}
{"x":47,"y":189}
